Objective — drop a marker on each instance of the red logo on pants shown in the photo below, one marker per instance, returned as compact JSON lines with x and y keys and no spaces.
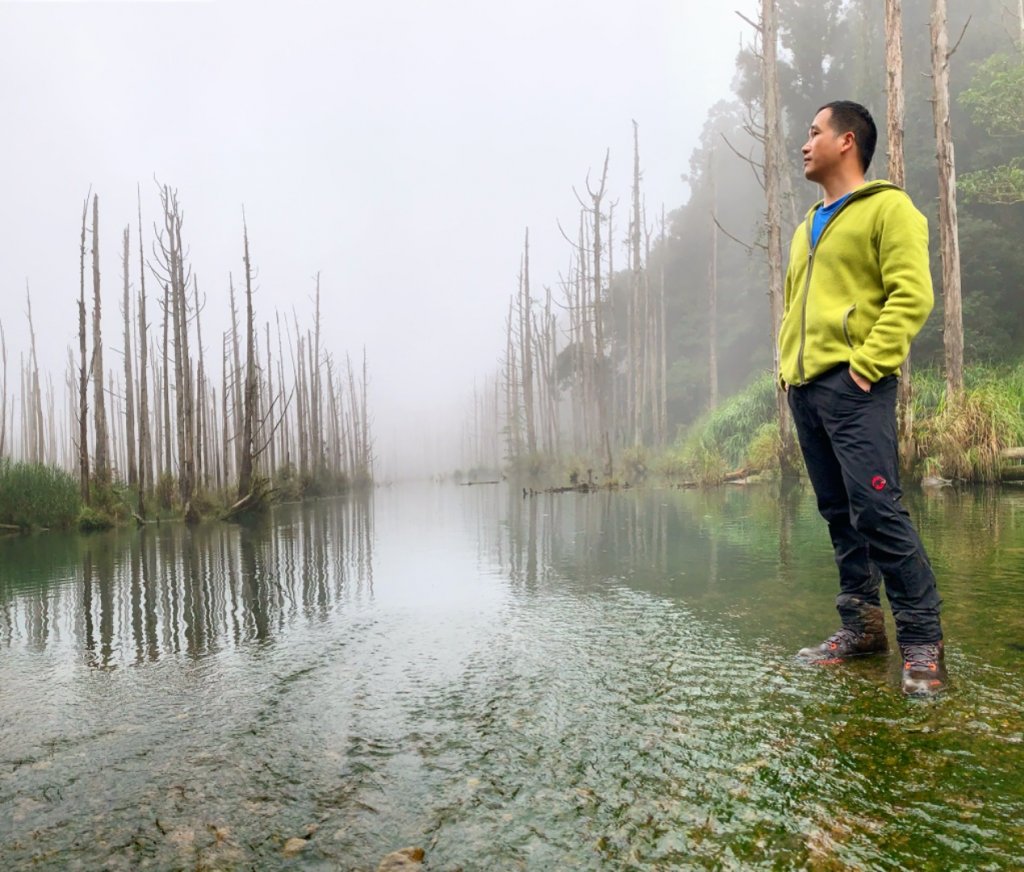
{"x":878,"y":482}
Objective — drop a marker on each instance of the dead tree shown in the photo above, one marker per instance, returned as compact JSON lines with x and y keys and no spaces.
{"x":236,"y":377}
{"x":512,"y":419}
{"x":171,"y":256}
{"x":949,"y":244}
{"x":129,"y":386}
{"x":774,"y":180}
{"x":301,"y":400}
{"x":774,"y":164}
{"x":34,"y":411}
{"x":202,"y":423}
{"x":712,"y":288}
{"x":526,"y":349}
{"x":145,"y":448}
{"x":598,"y":363}
{"x":83,"y":374}
{"x":3,"y":394}
{"x":165,"y":380}
{"x":894,"y":121}
{"x":636,"y":355}
{"x":100,"y":413}
{"x":272,"y":442}
{"x":245,"y":470}
{"x":285,"y":443}
{"x":317,"y":423}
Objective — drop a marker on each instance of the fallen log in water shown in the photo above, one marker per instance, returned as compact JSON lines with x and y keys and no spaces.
{"x":254,"y":502}
{"x":1012,"y":471}
{"x":737,"y":476}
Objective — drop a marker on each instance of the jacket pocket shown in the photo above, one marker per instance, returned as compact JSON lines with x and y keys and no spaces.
{"x":846,"y":324}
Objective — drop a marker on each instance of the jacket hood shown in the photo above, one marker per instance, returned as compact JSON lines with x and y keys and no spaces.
{"x":865,"y":190}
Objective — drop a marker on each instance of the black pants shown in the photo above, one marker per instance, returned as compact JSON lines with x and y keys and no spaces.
{"x":849,"y":443}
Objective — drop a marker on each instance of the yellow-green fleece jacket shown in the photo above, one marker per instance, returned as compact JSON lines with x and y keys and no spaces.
{"x":862,"y":293}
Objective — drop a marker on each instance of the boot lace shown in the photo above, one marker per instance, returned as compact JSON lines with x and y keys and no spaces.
{"x":841,"y":638}
{"x":924,"y":657}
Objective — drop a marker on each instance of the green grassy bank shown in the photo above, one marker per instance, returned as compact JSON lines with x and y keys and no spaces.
{"x":961,"y":440}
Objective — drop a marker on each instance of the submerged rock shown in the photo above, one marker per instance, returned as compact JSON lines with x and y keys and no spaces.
{"x":405,"y":860}
{"x":295,"y":846}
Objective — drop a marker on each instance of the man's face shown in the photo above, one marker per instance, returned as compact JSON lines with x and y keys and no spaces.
{"x":823,"y":149}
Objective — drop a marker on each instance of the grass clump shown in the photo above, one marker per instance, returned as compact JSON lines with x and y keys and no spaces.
{"x":37,"y":495}
{"x":736,"y":433}
{"x":91,"y":520}
{"x":963,"y":439}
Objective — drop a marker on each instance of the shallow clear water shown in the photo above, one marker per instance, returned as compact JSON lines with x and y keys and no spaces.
{"x":561,"y":682}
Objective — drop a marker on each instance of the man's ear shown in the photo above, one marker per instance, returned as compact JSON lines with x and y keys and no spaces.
{"x":847,"y":141}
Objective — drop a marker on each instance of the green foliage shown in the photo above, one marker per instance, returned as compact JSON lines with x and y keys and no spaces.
{"x":289,"y":486}
{"x":532,"y":467}
{"x":635,"y":462}
{"x":764,"y":447}
{"x":111,"y":499}
{"x":996,"y":103}
{"x":742,"y":431}
{"x":1003,"y":185}
{"x":996,"y":96}
{"x":92,"y":520}
{"x":727,"y":430}
{"x":963,"y":439}
{"x":36,"y":495}
{"x":166,"y":491}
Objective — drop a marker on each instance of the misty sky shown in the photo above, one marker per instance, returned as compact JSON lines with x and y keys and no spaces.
{"x":399,"y":148}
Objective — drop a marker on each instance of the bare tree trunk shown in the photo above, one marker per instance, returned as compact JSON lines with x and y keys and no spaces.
{"x":599,"y":364}
{"x":713,"y":290}
{"x":365,"y":424}
{"x":894,"y":117}
{"x":145,"y":448}
{"x":3,"y":394}
{"x":515,"y":449}
{"x":301,"y":401}
{"x":129,"y":386}
{"x":185,"y":393}
{"x":35,"y":411}
{"x":662,"y":343}
{"x":272,"y":468}
{"x":226,"y":451}
{"x":636,"y":382}
{"x":285,"y":452}
{"x":236,"y":377}
{"x":116,"y":443}
{"x":202,"y":424}
{"x":774,"y":169}
{"x":246,"y":468}
{"x":949,"y":243}
{"x":650,"y":343}
{"x":166,"y":379}
{"x":526,"y":349}
{"x":318,"y":436}
{"x":102,"y":457}
{"x":83,"y":375}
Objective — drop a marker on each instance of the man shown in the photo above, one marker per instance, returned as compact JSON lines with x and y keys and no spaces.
{"x":858,"y":290}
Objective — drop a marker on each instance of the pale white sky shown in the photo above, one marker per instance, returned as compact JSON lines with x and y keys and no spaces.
{"x":399,"y":148}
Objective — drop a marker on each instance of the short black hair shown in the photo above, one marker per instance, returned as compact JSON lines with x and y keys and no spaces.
{"x":850,"y":117}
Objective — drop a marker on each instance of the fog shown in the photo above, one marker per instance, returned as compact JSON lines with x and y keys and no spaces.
{"x":400,"y":149}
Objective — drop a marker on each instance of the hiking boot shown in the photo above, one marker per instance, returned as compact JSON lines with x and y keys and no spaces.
{"x":924,"y":669}
{"x":843,"y":644}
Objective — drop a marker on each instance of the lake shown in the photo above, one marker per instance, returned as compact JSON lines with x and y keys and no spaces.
{"x":557,"y":682}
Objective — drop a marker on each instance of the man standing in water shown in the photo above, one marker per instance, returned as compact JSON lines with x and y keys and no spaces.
{"x":858,"y":290}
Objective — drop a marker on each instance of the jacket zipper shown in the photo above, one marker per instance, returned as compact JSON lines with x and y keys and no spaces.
{"x":812,"y":249}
